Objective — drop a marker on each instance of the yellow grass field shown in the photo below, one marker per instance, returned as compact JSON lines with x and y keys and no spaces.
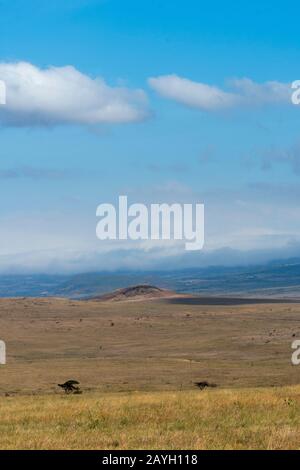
{"x":137,"y":364}
{"x":265,"y":418}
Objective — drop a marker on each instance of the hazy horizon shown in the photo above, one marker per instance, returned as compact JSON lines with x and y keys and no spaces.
{"x":187,"y":109}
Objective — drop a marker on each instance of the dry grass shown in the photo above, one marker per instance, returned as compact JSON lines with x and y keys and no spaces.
{"x":145,"y":346}
{"x":212,"y":419}
{"x":137,"y":363}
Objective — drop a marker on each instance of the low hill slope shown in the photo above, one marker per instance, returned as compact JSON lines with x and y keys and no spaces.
{"x":139,"y":292}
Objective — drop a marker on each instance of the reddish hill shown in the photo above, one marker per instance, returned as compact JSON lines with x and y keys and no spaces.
{"x":139,"y":292}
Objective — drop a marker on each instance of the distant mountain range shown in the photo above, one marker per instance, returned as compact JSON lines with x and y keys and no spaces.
{"x":274,"y":279}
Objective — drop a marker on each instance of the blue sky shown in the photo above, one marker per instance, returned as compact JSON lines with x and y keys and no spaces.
{"x":242,"y":160}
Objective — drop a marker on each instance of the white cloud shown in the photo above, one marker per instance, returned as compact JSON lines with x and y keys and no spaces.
{"x":63,"y":95}
{"x":242,"y":92}
{"x":270,"y":92}
{"x":194,"y":94}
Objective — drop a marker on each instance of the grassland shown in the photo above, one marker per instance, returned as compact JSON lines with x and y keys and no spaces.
{"x":137,"y":363}
{"x":212,"y":419}
{"x":145,"y":346}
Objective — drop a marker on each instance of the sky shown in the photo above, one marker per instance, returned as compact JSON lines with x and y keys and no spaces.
{"x":162,"y":101}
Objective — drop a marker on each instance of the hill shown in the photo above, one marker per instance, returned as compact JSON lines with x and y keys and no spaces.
{"x":139,"y":292}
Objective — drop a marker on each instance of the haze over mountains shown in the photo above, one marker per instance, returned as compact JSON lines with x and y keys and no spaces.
{"x":275,"y":279}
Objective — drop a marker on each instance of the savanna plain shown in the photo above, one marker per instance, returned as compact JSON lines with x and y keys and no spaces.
{"x":137,"y":363}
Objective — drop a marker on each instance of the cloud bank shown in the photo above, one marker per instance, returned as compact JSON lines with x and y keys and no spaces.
{"x":74,"y":262}
{"x":242,"y":92}
{"x":248,"y":224}
{"x":63,"y":95}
